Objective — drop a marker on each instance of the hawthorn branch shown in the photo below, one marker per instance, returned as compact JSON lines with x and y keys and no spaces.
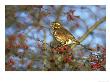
{"x":93,"y":27}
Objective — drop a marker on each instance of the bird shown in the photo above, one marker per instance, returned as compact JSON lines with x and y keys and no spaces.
{"x":62,"y":35}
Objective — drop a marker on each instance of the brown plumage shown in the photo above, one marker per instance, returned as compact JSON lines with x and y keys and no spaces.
{"x":62,"y":35}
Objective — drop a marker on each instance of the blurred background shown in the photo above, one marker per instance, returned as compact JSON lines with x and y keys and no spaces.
{"x":28,"y":37}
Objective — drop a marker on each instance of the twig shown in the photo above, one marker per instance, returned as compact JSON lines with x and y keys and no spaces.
{"x":90,"y":30}
{"x":58,"y":12}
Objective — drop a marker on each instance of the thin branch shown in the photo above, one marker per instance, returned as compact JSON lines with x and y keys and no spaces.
{"x":58,"y":12}
{"x":90,"y":30}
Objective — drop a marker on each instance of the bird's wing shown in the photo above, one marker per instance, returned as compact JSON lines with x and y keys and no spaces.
{"x":59,"y":35}
{"x":69,"y":36}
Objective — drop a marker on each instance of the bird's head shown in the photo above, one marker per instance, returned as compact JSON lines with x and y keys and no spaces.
{"x":56,"y":25}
